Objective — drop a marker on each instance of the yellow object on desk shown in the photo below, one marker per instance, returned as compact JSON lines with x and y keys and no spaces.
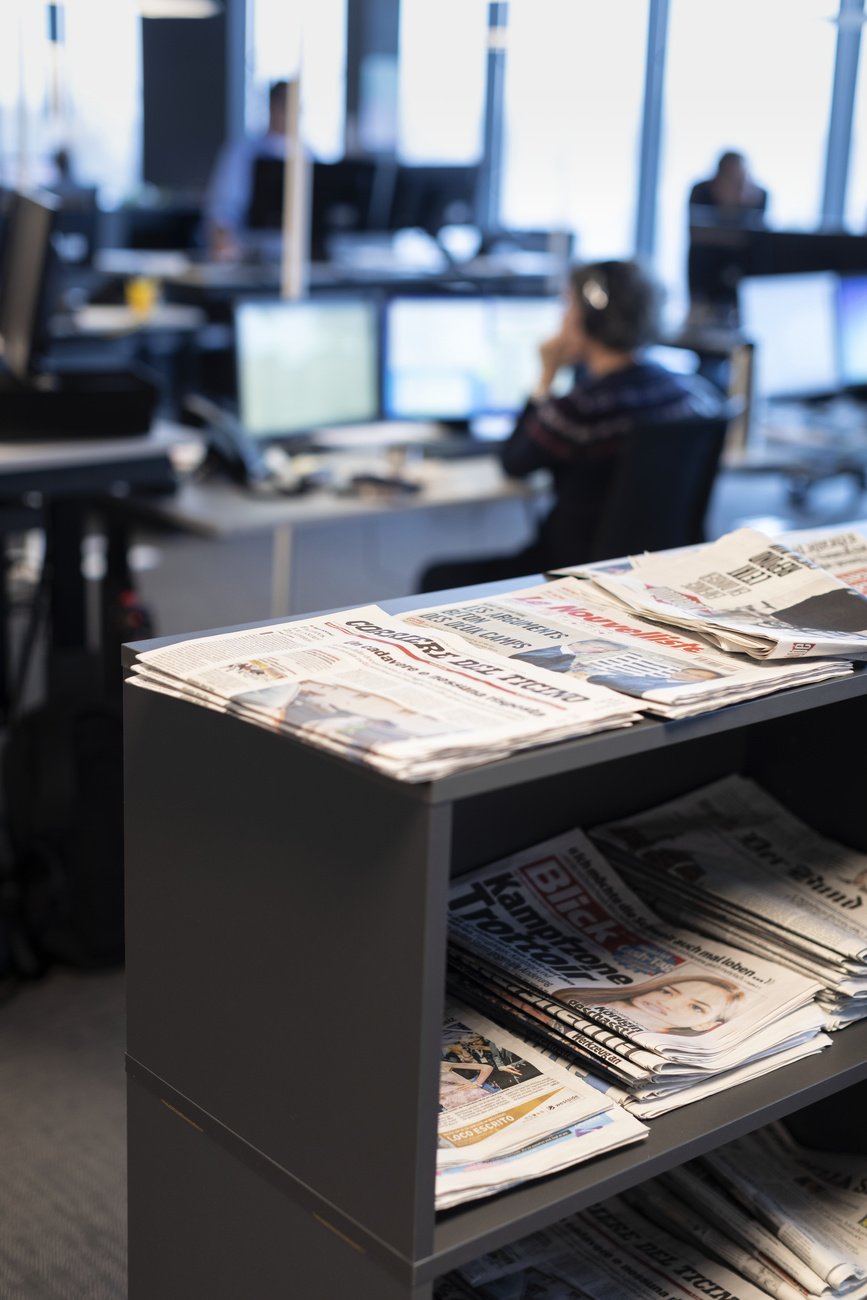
{"x":142,"y":293}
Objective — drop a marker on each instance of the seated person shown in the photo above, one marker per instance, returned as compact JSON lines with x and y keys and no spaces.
{"x":719,"y":208}
{"x":230,"y":188}
{"x":612,"y":313}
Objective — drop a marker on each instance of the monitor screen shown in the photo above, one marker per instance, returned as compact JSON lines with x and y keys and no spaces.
{"x":456,"y":359}
{"x":24,"y":279}
{"x":853,"y":329}
{"x":302,"y":365}
{"x":792,"y":321}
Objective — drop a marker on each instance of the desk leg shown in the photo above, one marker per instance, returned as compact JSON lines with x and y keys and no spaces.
{"x":281,"y":570}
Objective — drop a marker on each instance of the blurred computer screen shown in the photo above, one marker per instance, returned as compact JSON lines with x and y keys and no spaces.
{"x":456,"y":359}
{"x":852,"y":318}
{"x":302,"y":365}
{"x":792,"y":321}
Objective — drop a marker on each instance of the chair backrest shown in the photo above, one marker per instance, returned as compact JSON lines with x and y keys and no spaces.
{"x":661,"y":487}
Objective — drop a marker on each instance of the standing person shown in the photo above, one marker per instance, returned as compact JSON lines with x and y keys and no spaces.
{"x":230,"y":188}
{"x":730,"y":192}
{"x":612,"y":313}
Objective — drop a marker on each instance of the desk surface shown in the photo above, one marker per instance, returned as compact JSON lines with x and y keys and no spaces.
{"x":94,"y":464}
{"x":218,"y":509}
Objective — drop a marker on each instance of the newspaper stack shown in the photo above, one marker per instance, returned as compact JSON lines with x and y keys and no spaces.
{"x":842,"y":553}
{"x":739,"y":866}
{"x":787,"y":1219}
{"x":608,"y":1252}
{"x":553,"y":942}
{"x":507,"y":1114}
{"x":561,"y":627}
{"x":363,"y":685}
{"x":746,"y":593}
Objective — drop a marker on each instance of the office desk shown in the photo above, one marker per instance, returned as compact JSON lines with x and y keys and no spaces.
{"x":356,"y":544}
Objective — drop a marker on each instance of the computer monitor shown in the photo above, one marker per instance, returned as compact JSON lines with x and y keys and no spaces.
{"x":24,"y":280}
{"x":302,"y":365}
{"x":852,"y":322}
{"x":792,"y":321}
{"x":462,"y":358}
{"x":433,"y":197}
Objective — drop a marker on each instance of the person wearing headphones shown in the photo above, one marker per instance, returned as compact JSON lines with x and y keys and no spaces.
{"x":612,"y":313}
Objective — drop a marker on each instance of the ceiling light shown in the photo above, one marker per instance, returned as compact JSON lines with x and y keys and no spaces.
{"x":179,"y":8}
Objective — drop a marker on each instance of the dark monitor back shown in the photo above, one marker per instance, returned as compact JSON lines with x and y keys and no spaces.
{"x":342,"y":193}
{"x":25,"y":281}
{"x":266,"y":194}
{"x":433,"y":197}
{"x":161,"y":228}
{"x":786,"y":252}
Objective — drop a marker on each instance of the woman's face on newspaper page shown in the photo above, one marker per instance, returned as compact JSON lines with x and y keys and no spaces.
{"x":691,"y":1004}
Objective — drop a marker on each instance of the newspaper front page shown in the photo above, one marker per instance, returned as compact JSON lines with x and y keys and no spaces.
{"x":732,"y":857}
{"x":745,"y":592}
{"x":507,"y":1113}
{"x":559,"y":626}
{"x":559,"y":923}
{"x":363,"y":685}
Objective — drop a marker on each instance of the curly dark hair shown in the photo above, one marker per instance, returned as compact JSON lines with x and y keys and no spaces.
{"x":620,"y":303}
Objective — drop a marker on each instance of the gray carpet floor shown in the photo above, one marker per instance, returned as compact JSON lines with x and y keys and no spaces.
{"x":62,"y":1140}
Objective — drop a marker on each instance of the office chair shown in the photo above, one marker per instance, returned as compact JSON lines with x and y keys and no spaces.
{"x":661,"y":487}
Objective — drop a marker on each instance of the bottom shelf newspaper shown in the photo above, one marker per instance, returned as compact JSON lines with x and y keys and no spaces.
{"x":508,"y":1114}
{"x":761,"y":1216}
{"x":787,"y":1218}
{"x":609,"y":1252}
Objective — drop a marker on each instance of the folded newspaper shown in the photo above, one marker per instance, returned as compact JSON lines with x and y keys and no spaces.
{"x":363,"y":685}
{"x":843,"y":553}
{"x":732,"y":861}
{"x":747,"y":1201}
{"x":561,"y":627}
{"x":507,"y":1114}
{"x":812,"y":1203}
{"x":609,"y":1252}
{"x":745,"y":592}
{"x":552,"y":942}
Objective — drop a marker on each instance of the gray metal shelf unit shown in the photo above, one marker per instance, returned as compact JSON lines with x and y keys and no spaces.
{"x":286,"y":968}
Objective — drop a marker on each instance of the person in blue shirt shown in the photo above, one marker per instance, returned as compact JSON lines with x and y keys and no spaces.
{"x":230,"y":189}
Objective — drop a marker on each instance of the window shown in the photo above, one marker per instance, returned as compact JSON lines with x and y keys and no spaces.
{"x":855,"y":214}
{"x":574,"y":98}
{"x":755,"y":77}
{"x":441,"y":81}
{"x":280,"y":33}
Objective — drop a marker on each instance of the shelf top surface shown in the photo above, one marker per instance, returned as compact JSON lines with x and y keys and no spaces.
{"x":567,"y":755}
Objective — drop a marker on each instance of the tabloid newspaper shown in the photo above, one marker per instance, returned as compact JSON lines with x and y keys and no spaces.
{"x":745,"y":592}
{"x":508,"y":1114}
{"x":739,"y":864}
{"x":554,"y":942}
{"x":561,"y":627}
{"x":608,"y":1252}
{"x":363,"y":685}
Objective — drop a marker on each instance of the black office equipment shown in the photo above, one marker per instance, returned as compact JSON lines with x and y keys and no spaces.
{"x":433,"y":197}
{"x":660,"y":491}
{"x":341,"y":202}
{"x":35,"y":401}
{"x":266,"y":194}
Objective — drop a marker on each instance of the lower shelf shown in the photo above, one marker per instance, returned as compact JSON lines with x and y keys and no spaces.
{"x":467,"y":1232}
